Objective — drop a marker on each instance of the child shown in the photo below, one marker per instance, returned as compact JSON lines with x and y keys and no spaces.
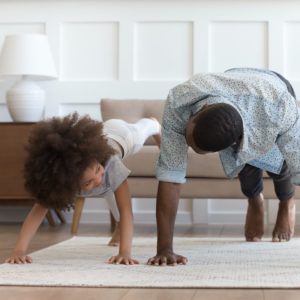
{"x":77,"y":155}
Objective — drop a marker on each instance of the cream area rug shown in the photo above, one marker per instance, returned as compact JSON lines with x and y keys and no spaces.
{"x":213,"y":263}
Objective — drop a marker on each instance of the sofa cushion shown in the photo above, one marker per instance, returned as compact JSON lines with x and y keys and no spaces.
{"x":142,"y":164}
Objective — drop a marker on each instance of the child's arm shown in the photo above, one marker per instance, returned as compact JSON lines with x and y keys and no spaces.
{"x":29,"y":228}
{"x":123,"y":200}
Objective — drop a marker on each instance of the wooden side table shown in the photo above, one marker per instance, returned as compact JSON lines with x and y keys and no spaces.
{"x":13,"y":138}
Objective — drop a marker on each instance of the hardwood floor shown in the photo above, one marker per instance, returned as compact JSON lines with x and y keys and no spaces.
{"x":48,"y":236}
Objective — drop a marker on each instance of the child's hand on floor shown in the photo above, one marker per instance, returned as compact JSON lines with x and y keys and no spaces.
{"x":18,"y":258}
{"x":123,"y":259}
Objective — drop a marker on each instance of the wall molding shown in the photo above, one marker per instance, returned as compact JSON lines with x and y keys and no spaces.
{"x":144,"y":48}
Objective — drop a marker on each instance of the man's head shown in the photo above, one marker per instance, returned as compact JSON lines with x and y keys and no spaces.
{"x":59,"y":151}
{"x":214,"y":128}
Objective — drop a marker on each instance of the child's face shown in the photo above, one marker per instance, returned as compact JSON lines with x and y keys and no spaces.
{"x":92,"y":177}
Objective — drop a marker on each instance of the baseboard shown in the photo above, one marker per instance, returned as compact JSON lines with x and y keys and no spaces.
{"x":226,"y":218}
{"x":140,"y":217}
{"x":18,"y":214}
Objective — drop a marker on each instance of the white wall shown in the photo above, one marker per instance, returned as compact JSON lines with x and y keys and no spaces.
{"x":140,"y":49}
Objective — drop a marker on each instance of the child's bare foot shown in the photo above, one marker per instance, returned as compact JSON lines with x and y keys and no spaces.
{"x":254,"y":227}
{"x":157,"y":137}
{"x":285,"y":222}
{"x":115,"y":239}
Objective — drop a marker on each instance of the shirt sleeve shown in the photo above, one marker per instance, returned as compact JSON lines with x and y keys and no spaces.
{"x":289,"y":145}
{"x":172,"y":162}
{"x":116,"y":172}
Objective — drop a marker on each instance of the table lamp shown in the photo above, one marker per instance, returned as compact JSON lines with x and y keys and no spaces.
{"x":28,"y":56}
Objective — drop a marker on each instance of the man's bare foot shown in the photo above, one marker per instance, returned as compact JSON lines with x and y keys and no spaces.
{"x":115,"y":239}
{"x":285,"y":222}
{"x":254,"y":227}
{"x":157,"y":137}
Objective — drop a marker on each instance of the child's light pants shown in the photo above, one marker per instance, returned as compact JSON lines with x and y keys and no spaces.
{"x":131,"y":137}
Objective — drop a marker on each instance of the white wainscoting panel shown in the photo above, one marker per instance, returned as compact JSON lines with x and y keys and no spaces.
{"x":89,"y":51}
{"x":158,"y":45}
{"x":141,"y":49}
{"x":4,"y":115}
{"x":19,"y":28}
{"x":292,"y":50}
{"x":238,"y":44}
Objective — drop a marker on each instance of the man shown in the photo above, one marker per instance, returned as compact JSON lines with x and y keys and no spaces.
{"x":250,"y":117}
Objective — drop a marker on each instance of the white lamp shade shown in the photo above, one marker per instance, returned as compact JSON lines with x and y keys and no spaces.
{"x":27,"y":54}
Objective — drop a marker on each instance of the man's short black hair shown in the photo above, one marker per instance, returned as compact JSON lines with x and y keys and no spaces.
{"x":217,"y":127}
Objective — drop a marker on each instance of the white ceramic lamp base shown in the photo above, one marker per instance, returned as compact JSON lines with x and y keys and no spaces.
{"x":26,"y":101}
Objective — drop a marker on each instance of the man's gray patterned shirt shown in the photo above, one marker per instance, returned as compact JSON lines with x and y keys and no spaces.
{"x":271,"y":125}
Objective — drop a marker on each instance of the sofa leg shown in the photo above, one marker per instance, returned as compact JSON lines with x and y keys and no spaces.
{"x":77,"y":214}
{"x":50,"y":218}
{"x":60,"y":215}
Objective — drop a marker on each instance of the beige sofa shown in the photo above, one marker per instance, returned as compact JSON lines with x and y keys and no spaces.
{"x":205,"y":176}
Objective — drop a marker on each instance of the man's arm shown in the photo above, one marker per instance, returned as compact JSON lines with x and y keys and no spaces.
{"x":166,"y":210}
{"x":170,"y":171}
{"x":28,"y":230}
{"x":123,"y":200}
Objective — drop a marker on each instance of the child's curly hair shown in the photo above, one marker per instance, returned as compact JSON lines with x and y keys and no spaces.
{"x":59,"y":151}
